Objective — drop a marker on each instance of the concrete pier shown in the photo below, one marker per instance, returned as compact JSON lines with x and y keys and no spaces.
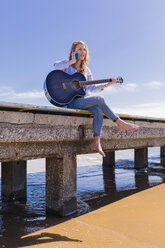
{"x":109,"y":160}
{"x":61,"y":190}
{"x":162,"y":155}
{"x":14,"y":180}
{"x":58,"y":135}
{"x":141,"y":158}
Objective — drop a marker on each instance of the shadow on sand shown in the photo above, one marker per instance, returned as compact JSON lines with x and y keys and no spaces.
{"x":44,"y":237}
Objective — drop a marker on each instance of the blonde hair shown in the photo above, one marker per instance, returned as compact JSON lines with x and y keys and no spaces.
{"x":85,"y":61}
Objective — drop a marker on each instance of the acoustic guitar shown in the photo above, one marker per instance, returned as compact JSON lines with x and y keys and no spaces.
{"x":62,"y":88}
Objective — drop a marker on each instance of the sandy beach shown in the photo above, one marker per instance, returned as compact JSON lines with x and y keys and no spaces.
{"x":137,"y":221}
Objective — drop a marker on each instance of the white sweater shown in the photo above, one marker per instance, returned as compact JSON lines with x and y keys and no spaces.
{"x":64,"y":66}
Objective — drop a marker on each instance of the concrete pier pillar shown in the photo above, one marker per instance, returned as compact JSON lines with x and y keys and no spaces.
{"x":141,"y":180}
{"x":162,"y":155}
{"x":141,"y":158}
{"x":109,"y":160}
{"x":61,"y":190}
{"x":14,"y":180}
{"x":109,"y":180}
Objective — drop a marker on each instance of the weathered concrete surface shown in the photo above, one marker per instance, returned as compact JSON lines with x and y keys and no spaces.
{"x":61,"y":187}
{"x":34,"y":135}
{"x":58,"y":138}
{"x":137,"y":221}
{"x":14,"y":180}
{"x":162,"y":155}
{"x":109,"y":160}
{"x":141,"y":158}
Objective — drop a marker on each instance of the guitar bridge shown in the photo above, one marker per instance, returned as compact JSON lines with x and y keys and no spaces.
{"x":63,"y":85}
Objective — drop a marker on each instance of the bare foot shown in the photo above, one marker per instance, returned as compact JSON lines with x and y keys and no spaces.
{"x":124,"y":126}
{"x":97,"y":147}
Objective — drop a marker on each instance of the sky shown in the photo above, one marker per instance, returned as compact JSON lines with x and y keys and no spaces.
{"x":124,"y":37}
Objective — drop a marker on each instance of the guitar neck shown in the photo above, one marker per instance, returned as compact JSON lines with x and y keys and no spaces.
{"x":101,"y":81}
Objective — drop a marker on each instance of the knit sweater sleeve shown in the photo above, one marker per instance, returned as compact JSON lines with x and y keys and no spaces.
{"x":91,"y":88}
{"x":61,"y":65}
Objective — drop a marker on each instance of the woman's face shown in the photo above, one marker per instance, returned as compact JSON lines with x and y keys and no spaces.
{"x":81,"y":50}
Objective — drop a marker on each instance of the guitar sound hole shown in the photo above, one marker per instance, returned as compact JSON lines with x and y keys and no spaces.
{"x":75,"y":84}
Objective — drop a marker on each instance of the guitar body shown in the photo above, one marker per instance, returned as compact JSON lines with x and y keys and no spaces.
{"x":61,"y":88}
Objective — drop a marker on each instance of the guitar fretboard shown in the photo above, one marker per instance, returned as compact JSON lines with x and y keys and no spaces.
{"x":101,"y":81}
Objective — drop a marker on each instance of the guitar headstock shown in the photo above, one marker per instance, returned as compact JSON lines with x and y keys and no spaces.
{"x":119,"y":80}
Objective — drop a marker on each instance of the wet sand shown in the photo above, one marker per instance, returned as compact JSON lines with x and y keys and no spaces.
{"x":137,"y":221}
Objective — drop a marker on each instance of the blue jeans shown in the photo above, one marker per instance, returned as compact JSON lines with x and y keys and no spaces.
{"x":98,"y":107}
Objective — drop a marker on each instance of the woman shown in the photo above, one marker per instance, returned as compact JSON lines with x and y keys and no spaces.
{"x":95,"y":104}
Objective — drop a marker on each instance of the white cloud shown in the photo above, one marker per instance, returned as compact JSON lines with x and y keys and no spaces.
{"x":155,"y":84}
{"x":133,"y":87}
{"x":130,"y":87}
{"x":146,"y":109}
{"x":151,"y":105}
{"x":30,"y":95}
{"x":7,"y":93}
{"x":120,"y":88}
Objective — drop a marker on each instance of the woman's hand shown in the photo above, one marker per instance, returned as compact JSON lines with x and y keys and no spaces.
{"x":73,"y":60}
{"x":114,"y":80}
